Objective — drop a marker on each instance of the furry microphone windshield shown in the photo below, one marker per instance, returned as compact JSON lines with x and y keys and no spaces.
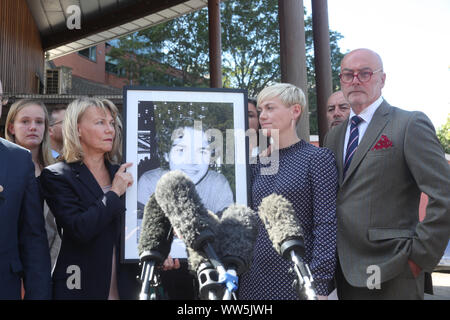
{"x":177,"y":196}
{"x":155,"y":231}
{"x":196,"y":258}
{"x":280,"y":220}
{"x":237,"y":236}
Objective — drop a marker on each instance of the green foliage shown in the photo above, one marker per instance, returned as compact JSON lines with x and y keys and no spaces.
{"x":173,"y":54}
{"x":444,"y":135}
{"x":250,"y":46}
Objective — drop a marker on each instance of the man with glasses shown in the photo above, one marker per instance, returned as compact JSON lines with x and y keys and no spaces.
{"x":55,"y":129}
{"x":24,"y":252}
{"x":386,"y":156}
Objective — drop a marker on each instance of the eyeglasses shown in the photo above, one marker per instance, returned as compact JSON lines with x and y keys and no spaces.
{"x":57,"y":122}
{"x":363,"y":76}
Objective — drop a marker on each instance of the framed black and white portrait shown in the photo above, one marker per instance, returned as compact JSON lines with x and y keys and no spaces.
{"x":201,"y":132}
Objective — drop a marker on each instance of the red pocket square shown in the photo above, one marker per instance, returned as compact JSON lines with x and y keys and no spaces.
{"x":383,"y":143}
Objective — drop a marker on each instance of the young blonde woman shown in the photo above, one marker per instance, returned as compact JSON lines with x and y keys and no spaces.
{"x":27,"y":125}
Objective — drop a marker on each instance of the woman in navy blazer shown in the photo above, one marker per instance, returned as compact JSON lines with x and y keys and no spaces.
{"x":84,"y":192}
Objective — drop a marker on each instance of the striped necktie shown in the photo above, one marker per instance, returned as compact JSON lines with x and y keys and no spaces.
{"x":352,"y":142}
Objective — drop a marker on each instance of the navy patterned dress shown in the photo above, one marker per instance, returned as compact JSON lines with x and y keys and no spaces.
{"x":307,"y":177}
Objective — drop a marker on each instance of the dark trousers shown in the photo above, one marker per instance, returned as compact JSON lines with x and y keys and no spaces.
{"x":402,"y":287}
{"x":180,"y":284}
{"x":428,"y":283}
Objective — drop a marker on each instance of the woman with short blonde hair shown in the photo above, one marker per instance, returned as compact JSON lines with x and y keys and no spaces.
{"x":307,"y":177}
{"x":288,"y":94}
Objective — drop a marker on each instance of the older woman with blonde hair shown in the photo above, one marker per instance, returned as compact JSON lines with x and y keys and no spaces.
{"x":27,"y":125}
{"x":307,"y":177}
{"x":85,"y":192}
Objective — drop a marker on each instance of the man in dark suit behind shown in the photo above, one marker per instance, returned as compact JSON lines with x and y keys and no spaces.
{"x":386,"y":157}
{"x":24,"y":249}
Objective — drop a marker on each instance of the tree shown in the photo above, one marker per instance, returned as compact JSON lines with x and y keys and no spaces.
{"x":153,"y":56}
{"x":250,"y":45}
{"x":444,"y":135}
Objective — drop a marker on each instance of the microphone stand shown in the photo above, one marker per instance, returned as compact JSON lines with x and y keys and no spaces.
{"x":224,"y":277}
{"x":209,"y":286}
{"x":230,"y":291}
{"x":304,"y":284}
{"x":235,"y":265}
{"x":149,"y":275}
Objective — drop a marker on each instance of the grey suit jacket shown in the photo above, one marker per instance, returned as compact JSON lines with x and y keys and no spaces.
{"x":378,"y":201}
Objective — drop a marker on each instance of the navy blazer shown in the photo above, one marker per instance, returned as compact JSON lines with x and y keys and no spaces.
{"x":89,"y":225}
{"x":23,"y":240}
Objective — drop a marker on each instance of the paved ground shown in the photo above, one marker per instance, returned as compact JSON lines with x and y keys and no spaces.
{"x":441,"y":286}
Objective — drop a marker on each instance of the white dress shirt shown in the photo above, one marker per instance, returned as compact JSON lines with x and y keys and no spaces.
{"x":366,"y":115}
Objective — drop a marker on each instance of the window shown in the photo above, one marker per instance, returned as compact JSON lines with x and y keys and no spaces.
{"x":52,"y":81}
{"x":90,"y":53}
{"x":111,"y":66}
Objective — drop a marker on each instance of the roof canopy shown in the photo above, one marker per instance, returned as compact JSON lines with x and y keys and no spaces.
{"x":100,"y":20}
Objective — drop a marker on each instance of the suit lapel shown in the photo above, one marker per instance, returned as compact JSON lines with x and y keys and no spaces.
{"x":112,"y":169}
{"x":340,"y":149}
{"x":4,"y":167}
{"x":378,"y":122}
{"x":84,"y":175}
{"x":3,"y":162}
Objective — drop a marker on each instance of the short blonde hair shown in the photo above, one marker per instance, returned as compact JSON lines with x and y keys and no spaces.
{"x":72,"y":150}
{"x":45,"y":154}
{"x":286,"y":92}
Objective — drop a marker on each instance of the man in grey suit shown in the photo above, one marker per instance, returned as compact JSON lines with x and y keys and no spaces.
{"x":386,"y":156}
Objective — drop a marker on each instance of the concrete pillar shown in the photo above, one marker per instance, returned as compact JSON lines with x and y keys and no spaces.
{"x":293,"y":54}
{"x":322,"y":62}
{"x":215,"y":44}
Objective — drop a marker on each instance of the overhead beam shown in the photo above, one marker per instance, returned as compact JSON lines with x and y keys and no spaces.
{"x":107,"y":21}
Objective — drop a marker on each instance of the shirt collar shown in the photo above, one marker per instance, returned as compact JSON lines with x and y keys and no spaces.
{"x":368,"y":112}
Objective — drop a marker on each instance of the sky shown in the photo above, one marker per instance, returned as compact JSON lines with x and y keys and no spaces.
{"x":413,"y":39}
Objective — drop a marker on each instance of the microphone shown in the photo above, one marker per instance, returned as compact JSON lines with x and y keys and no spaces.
{"x":236,"y":238}
{"x":154,"y":245}
{"x":208,"y":278}
{"x":178,"y":198}
{"x":196,"y":258}
{"x":286,"y":234}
